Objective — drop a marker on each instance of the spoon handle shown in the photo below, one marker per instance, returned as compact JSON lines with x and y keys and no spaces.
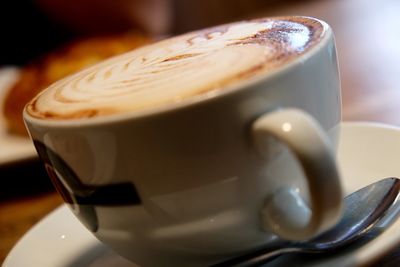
{"x":259,"y":256}
{"x":263,"y":256}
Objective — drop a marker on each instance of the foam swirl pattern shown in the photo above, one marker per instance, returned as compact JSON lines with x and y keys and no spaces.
{"x":191,"y":66}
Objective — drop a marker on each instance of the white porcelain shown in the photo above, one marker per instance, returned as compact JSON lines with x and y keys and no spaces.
{"x":285,"y":212}
{"x":367,"y":153}
{"x":196,"y":181}
{"x":13,"y":148}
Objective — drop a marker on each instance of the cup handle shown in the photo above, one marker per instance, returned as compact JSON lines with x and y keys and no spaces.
{"x":308,"y":142}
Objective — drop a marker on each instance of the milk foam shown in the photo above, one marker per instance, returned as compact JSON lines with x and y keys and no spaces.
{"x":197,"y":64}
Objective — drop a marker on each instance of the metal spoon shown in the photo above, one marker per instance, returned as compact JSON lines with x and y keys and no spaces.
{"x":374,"y":206}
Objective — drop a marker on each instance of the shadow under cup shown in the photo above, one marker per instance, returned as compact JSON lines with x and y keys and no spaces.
{"x":186,"y":186}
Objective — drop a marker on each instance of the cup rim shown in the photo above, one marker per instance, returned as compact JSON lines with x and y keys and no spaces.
{"x":231,"y":89}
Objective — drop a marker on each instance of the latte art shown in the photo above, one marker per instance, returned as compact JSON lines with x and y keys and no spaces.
{"x":194,"y":65}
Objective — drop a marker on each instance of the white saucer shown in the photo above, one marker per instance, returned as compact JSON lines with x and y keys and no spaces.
{"x":13,"y":148}
{"x":367,"y":153}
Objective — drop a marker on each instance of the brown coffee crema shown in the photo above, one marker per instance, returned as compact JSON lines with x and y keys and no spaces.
{"x":194,"y":65}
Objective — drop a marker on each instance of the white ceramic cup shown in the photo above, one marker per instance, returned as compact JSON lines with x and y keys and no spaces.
{"x":194,"y":183}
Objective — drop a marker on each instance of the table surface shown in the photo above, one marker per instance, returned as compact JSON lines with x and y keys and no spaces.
{"x":368,"y":43}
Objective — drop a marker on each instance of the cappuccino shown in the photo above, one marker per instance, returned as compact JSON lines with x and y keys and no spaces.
{"x":195,"y":66}
{"x":166,"y":151}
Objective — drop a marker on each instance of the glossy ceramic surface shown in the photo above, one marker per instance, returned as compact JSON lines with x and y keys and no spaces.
{"x":367,"y":153}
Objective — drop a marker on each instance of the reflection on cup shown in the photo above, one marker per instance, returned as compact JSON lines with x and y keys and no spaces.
{"x":173,"y":153}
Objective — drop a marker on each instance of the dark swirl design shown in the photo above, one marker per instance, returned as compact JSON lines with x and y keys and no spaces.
{"x":197,"y":64}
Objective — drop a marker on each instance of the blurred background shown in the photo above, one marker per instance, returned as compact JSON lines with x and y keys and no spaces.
{"x":367,"y":32}
{"x":42,"y":25}
{"x":45,"y":40}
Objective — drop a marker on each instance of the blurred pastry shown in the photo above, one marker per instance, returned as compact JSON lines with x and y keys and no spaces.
{"x":39,"y":74}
